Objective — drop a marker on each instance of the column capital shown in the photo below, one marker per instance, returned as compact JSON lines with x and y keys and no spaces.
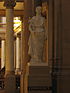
{"x":17,"y":35}
{"x":9,"y":3}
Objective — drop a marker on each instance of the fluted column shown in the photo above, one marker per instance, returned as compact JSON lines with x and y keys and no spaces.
{"x":2,"y":53}
{"x":9,"y":73}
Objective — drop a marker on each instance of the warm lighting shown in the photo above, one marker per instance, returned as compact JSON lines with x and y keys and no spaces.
{"x":17,"y":24}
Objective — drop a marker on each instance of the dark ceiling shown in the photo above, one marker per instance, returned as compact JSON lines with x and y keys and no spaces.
{"x":16,"y":0}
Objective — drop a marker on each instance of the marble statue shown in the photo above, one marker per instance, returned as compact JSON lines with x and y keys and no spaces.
{"x":38,"y":35}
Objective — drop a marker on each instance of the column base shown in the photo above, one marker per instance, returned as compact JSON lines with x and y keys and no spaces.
{"x":17,"y":72}
{"x":10,"y":82}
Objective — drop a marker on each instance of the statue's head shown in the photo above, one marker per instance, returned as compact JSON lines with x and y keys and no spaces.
{"x":38,"y":9}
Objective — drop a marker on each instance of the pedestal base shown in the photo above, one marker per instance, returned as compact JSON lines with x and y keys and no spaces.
{"x":39,"y":78}
{"x":10,"y":83}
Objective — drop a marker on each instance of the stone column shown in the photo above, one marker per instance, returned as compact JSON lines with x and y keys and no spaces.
{"x":10,"y":84}
{"x":2,"y":53}
{"x":24,"y":40}
{"x":17,"y":53}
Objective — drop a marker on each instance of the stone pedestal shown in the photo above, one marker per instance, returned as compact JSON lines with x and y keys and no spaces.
{"x":39,"y":78}
{"x":10,"y":80}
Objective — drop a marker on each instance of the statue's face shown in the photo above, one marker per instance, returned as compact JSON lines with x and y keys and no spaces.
{"x":38,"y":10}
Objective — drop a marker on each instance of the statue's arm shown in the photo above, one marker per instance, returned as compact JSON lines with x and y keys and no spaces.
{"x":30,"y":27}
{"x":31,"y":24}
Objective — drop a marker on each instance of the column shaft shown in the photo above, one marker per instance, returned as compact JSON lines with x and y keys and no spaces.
{"x":24,"y":40}
{"x":2,"y":53}
{"x":9,"y":40}
{"x":17,"y":53}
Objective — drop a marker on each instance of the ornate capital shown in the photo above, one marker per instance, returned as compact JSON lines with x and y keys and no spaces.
{"x":9,"y":3}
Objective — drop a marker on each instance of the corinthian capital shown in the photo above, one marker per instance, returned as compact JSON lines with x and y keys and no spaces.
{"x":9,"y":3}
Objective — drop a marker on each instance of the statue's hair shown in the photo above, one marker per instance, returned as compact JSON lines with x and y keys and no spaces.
{"x":38,"y":7}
